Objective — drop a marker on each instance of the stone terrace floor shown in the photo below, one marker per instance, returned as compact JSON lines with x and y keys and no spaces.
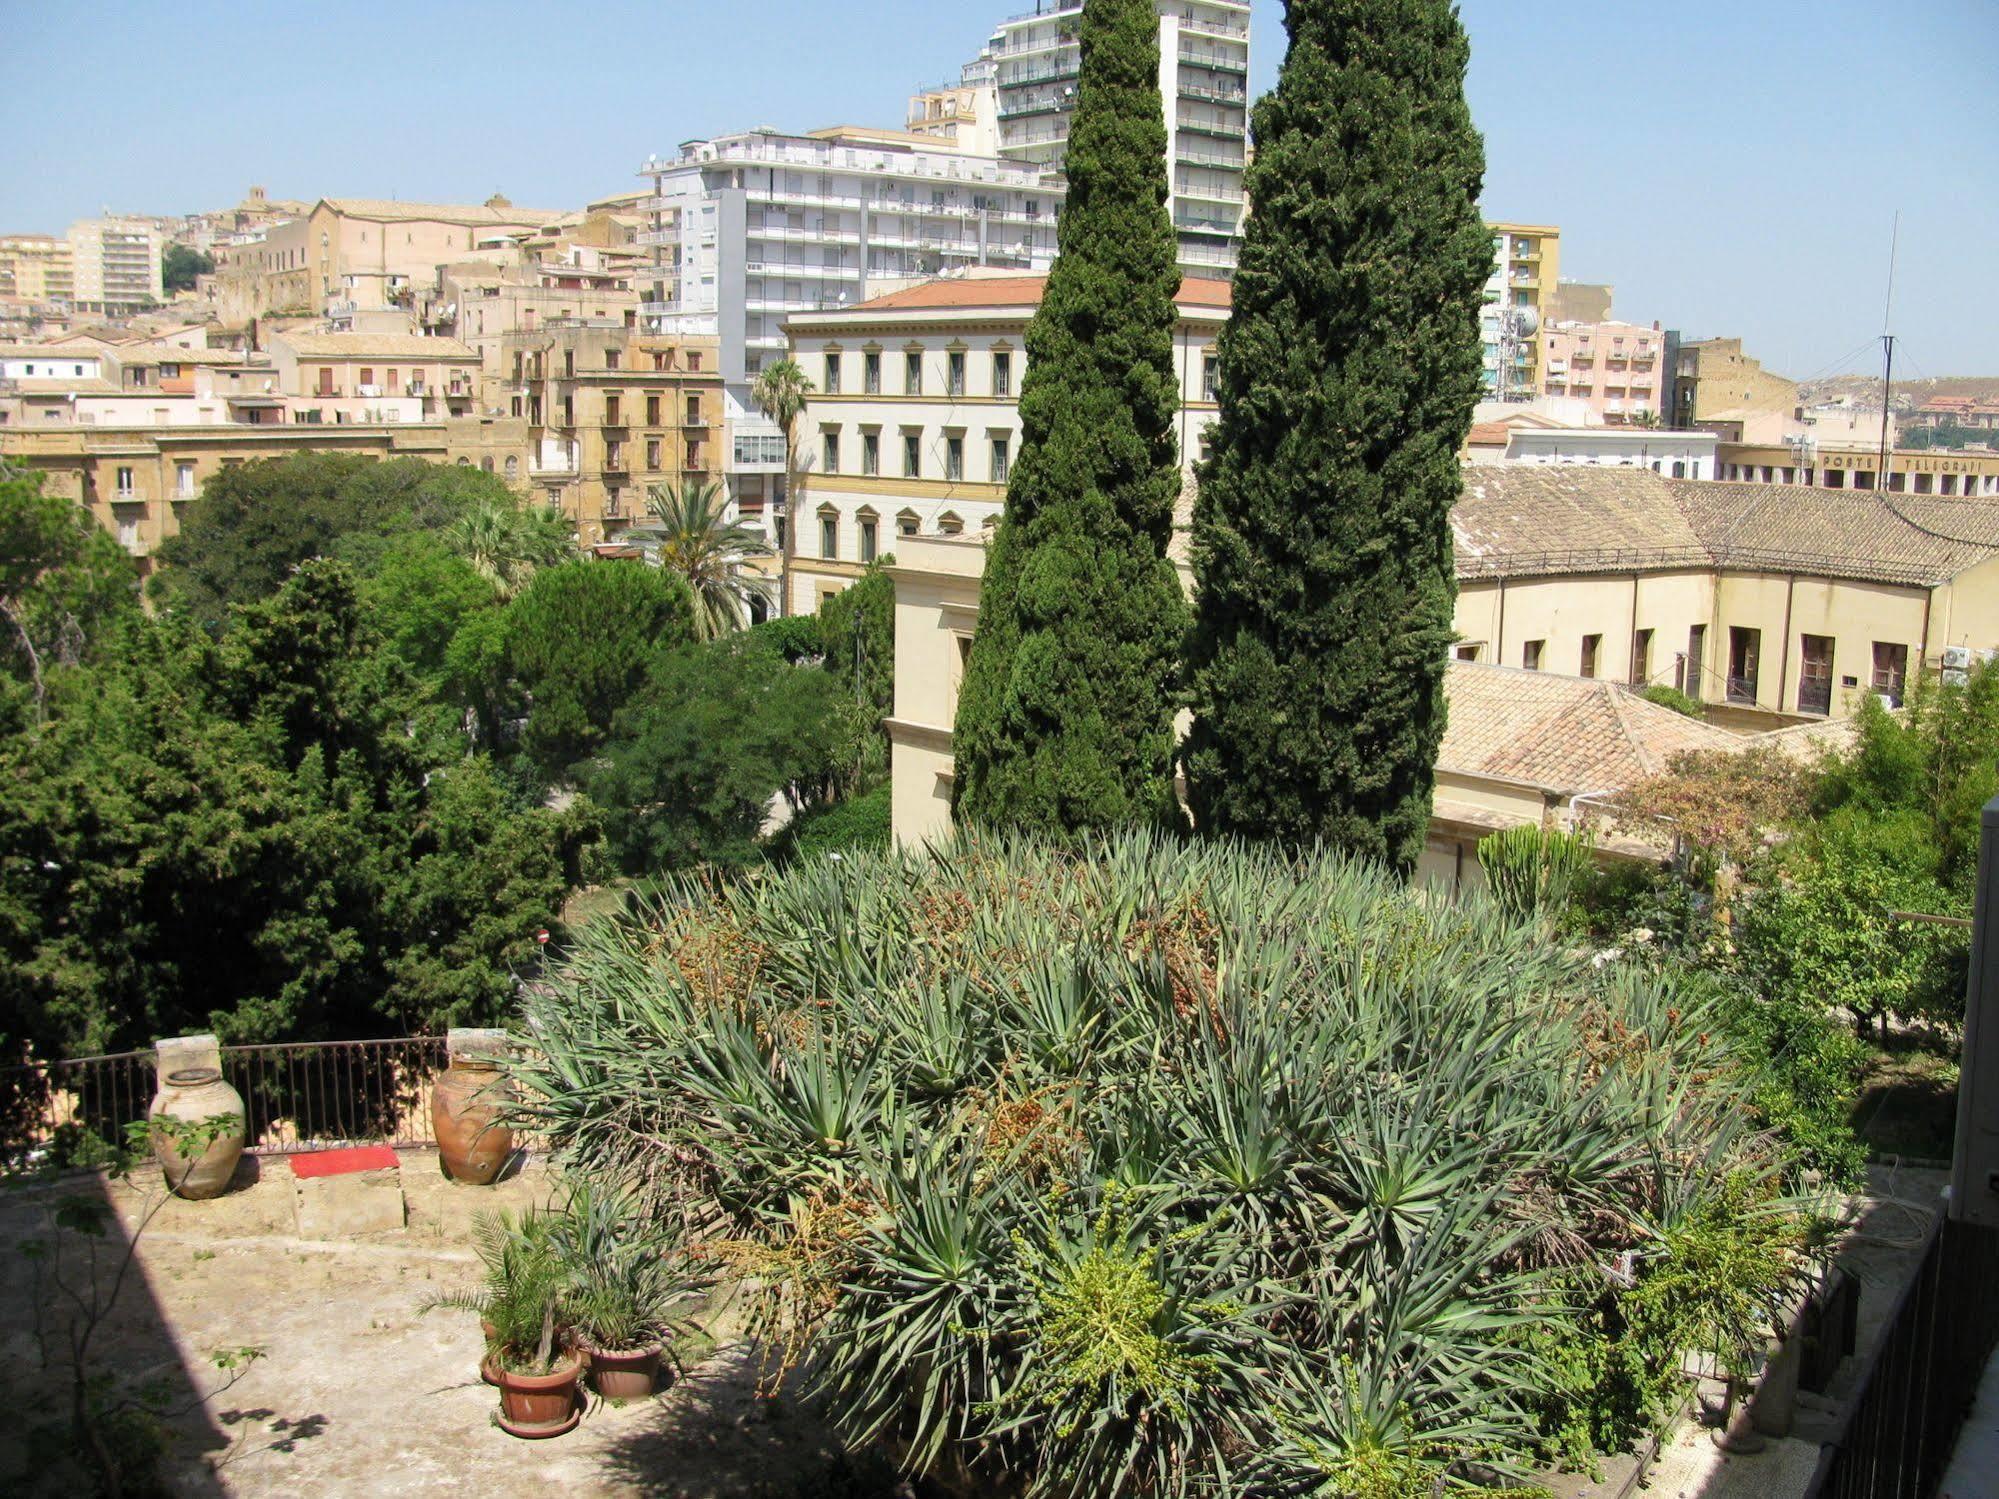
{"x":358,"y":1394}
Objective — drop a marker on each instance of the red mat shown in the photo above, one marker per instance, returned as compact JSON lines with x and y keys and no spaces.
{"x":341,"y":1162}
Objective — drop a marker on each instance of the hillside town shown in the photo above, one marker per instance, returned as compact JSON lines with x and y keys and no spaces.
{"x":1085,"y":792}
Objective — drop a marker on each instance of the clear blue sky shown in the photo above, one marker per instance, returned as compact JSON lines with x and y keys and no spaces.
{"x":1731,"y":165}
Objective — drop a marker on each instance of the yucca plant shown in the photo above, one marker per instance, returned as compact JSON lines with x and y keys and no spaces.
{"x":1142,"y":1167}
{"x":1533,"y":870}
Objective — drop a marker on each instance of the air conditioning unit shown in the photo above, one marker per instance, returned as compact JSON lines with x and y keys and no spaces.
{"x":1957,"y":658}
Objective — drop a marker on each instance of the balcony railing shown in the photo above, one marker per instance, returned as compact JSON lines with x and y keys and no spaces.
{"x":1742,"y":691}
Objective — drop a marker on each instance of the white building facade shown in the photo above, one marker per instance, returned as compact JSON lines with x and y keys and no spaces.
{"x":1204,"y":87}
{"x":764,"y":225}
{"x":914,"y":423}
{"x":1674,"y":455}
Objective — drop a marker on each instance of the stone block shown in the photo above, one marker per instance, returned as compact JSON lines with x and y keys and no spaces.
{"x":341,"y":1194}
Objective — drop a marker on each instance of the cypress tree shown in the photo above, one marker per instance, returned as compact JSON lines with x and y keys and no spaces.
{"x":1065,"y":718}
{"x":1348,"y":372}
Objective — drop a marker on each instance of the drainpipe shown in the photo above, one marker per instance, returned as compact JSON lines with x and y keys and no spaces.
{"x":1499,"y":645}
{"x":1784,"y":667}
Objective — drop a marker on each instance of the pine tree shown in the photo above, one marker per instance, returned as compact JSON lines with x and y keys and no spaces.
{"x":1348,"y":374}
{"x":1065,"y":720}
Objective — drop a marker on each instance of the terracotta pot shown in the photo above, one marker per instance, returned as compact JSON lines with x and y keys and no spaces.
{"x":538,"y":1405}
{"x":486,"y":1364}
{"x":624,"y":1373}
{"x":465,"y":1111}
{"x":193,"y":1096}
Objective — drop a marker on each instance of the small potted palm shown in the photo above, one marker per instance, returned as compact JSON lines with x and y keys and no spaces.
{"x":522,"y":1311}
{"x":625,"y":1293}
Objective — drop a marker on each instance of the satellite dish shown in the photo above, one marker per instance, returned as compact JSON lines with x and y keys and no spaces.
{"x":1529,"y":320}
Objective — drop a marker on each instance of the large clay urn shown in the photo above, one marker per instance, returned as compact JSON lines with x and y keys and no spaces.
{"x":192,"y":1097}
{"x":466,"y":1107}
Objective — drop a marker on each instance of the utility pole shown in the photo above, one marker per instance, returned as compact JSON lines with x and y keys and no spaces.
{"x":1888,"y":344}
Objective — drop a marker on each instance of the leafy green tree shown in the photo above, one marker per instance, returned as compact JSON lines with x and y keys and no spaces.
{"x":689,"y":537}
{"x":580,"y":640}
{"x":63,"y":582}
{"x":1348,"y":373}
{"x":252,"y":524}
{"x":419,"y":594}
{"x":180,"y":265}
{"x":507,"y":543}
{"x":857,"y":642}
{"x":1065,"y":720}
{"x":718,"y":731}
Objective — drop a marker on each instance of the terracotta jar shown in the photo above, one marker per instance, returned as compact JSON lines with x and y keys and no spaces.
{"x":537,"y":1405}
{"x":192,"y":1097}
{"x":466,"y":1108}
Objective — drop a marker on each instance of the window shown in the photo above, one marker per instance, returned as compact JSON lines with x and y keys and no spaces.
{"x":694,"y":411}
{"x":1891,"y":671}
{"x":1467,"y":651}
{"x":693,"y":359}
{"x":1641,"y":658}
{"x":652,"y":411}
{"x":611,"y":357}
{"x":1002,"y":459}
{"x":871,"y":372}
{"x":513,"y":468}
{"x":367,"y":376}
{"x":1592,"y":649}
{"x":614,"y":412}
{"x":954,"y":378}
{"x":954,"y":458}
{"x":912,"y":373}
{"x":124,"y":483}
{"x":867,"y":541}
{"x":948,"y":524}
{"x":652,"y":452}
{"x":1209,"y":366}
{"x":832,"y":374}
{"x":871,"y":453}
{"x":1003,"y":374}
{"x":1745,"y":659}
{"x":831,"y":443}
{"x":1694,"y":668}
{"x":1679,"y":468}
{"x":1530,"y":654}
{"x":1815,"y":675}
{"x":912,"y":455}
{"x":829,"y":536}
{"x":568,"y":363}
{"x":184,"y":480}
{"x":905,"y":524}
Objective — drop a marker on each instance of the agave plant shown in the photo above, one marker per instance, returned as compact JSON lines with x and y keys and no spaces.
{"x":1145,"y":1167}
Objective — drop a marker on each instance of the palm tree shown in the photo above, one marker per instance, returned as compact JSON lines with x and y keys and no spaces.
{"x":780,"y":391}
{"x":507,"y":544}
{"x":691,"y":537}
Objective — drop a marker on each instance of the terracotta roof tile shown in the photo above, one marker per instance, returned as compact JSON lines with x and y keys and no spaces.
{"x":377,"y":346}
{"x":1572,"y":734}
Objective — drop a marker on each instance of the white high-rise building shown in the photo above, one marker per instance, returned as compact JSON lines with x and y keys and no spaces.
{"x":753,"y":227}
{"x":1203,"y":82}
{"x":117,"y":264}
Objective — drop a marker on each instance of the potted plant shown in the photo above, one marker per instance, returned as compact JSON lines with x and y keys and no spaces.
{"x":521,"y":1308}
{"x":624,"y":1293}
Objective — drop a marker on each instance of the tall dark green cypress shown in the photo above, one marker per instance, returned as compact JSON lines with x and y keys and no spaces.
{"x":1348,"y":373}
{"x":1065,"y":718}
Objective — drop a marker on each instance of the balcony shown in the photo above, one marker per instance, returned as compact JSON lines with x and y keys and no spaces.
{"x":1742,"y":691}
{"x":1194,"y":156}
{"x":1236,"y":96}
{"x":1218,"y":128}
{"x":1035,"y":107}
{"x":658,"y":237}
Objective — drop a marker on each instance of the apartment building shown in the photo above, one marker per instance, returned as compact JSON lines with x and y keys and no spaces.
{"x":361,"y":260}
{"x":1804,"y":461}
{"x":914,"y":422}
{"x":335,"y":378}
{"x":608,"y":415}
{"x":1617,"y":370}
{"x":963,"y":115}
{"x":116,"y":264}
{"x":1965,"y":413}
{"x":1204,"y":83}
{"x":756,"y":227}
{"x":37,"y":268}
{"x":1674,"y":455}
{"x":1526,"y":269}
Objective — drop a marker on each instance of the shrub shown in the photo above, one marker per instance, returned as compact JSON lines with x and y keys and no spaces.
{"x":1146,"y":1168}
{"x":859,"y":824}
{"x":1672,"y":697}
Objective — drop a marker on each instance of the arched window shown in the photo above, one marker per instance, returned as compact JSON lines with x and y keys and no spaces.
{"x":513,"y":467}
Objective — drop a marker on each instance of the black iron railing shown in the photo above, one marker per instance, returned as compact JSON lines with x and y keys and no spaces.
{"x":297,"y":1096}
{"x":1910,"y":1403}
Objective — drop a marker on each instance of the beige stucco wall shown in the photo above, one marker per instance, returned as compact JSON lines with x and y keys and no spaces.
{"x":1502,"y":616}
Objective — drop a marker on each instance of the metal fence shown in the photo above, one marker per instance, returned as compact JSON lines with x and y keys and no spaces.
{"x":1906,"y":1411}
{"x":297,"y":1096}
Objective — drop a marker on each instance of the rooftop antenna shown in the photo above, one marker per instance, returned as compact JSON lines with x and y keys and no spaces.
{"x":1888,"y":348}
